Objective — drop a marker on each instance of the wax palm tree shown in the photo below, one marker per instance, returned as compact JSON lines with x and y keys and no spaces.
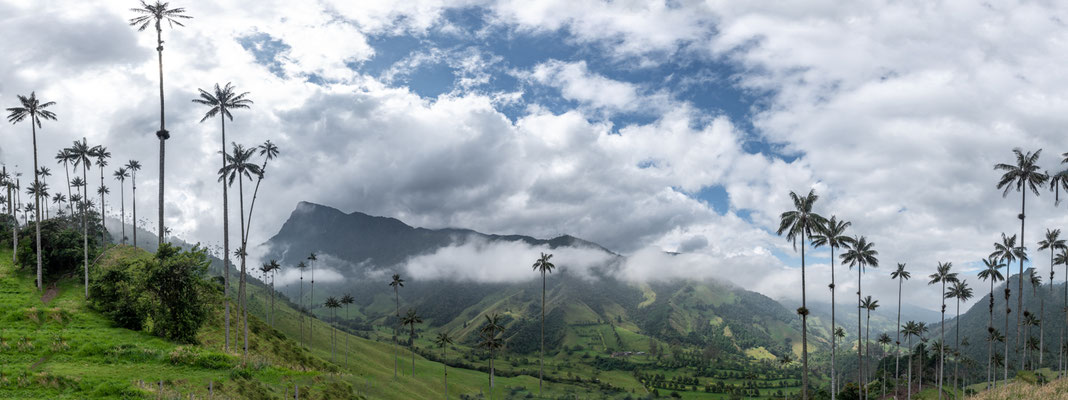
{"x":311,"y":294}
{"x":901,"y":275}
{"x":884,"y":340}
{"x":346,"y":301}
{"x":38,"y":189}
{"x":9,"y":185}
{"x":33,"y":109}
{"x":490,"y":333}
{"x":239,"y":166}
{"x":58,"y":199}
{"x":44,"y":173}
{"x":833,"y":236}
{"x":1022,"y":176}
{"x":991,"y":272}
{"x":839,"y":334}
{"x":869,"y":305}
{"x":799,"y":223}
{"x":443,"y":341}
{"x":411,"y":320}
{"x":1053,"y":242}
{"x":134,"y":166}
{"x":268,"y":151}
{"x":911,"y":329}
{"x":1062,"y":259}
{"x":1036,"y":282}
{"x":65,"y":157}
{"x":860,"y":253}
{"x":120,"y":175}
{"x":332,"y":304}
{"x":81,"y":153}
{"x":943,"y":276}
{"x":1030,"y":321}
{"x":155,"y":14}
{"x":960,"y":292}
{"x":995,"y":336}
{"x":220,"y":103}
{"x":102,"y":155}
{"x":396,"y":283}
{"x":543,"y":266}
{"x":301,"y":266}
{"x":1007,"y":251}
{"x":265,"y":270}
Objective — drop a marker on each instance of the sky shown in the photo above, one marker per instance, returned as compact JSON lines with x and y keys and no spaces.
{"x":644,"y":126}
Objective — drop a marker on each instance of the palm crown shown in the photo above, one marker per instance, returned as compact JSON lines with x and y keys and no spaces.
{"x":1052,"y":240}
{"x":222,"y":101}
{"x":861,"y":254}
{"x":1007,"y":251}
{"x":900,"y":272}
{"x":942,"y":274}
{"x":238,"y":163}
{"x":832,"y":234}
{"x":801,"y":221}
{"x":1023,"y":175}
{"x":960,"y":291}
{"x":156,"y":13}
{"x":543,"y":264}
{"x":992,"y":269}
{"x":32,"y":108}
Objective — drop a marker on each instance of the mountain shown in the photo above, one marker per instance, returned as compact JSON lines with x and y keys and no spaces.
{"x":589,"y":310}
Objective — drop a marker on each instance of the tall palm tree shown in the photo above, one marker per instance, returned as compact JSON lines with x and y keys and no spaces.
{"x":269,"y":151}
{"x":9,"y":186}
{"x":943,"y":276}
{"x":265,"y":270}
{"x":346,"y":301}
{"x":81,"y":153}
{"x":1062,"y":259}
{"x":994,"y":335}
{"x":333,"y":304}
{"x":799,"y":223}
{"x":901,"y":275}
{"x":1030,"y":320}
{"x":301,"y":266}
{"x":860,"y":253}
{"x":311,"y":295}
{"x":134,"y":166}
{"x":444,"y":340}
{"x":64,"y":157}
{"x":840,"y":334}
{"x":155,"y":14}
{"x":991,"y":272}
{"x":239,"y":166}
{"x":411,"y":320}
{"x":1053,"y":242}
{"x":869,"y":305}
{"x":884,"y":340}
{"x":833,"y":236}
{"x":101,"y":154}
{"x":910,"y":329}
{"x":543,"y":266}
{"x":31,"y":108}
{"x":1022,"y":175}
{"x":219,"y":103}
{"x":396,"y":283}
{"x":960,"y":292}
{"x":492,"y":340}
{"x":44,"y":173}
{"x":120,"y":175}
{"x":1007,"y":251}
{"x":58,"y":199}
{"x":1036,"y":282}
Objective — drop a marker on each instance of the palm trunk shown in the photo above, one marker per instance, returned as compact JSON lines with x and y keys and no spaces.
{"x":942,"y":342}
{"x":396,"y":355}
{"x":311,"y":305}
{"x":1005,"y":378}
{"x":348,"y":317}
{"x":85,"y":230}
{"x":990,"y":343}
{"x":37,"y":202}
{"x":445,"y":364}
{"x":956,"y":366}
{"x":255,"y":193}
{"x":244,"y":274}
{"x":66,"y":170}
{"x":300,"y":301}
{"x":15,"y":227}
{"x":411,"y":342}
{"x":804,"y":325}
{"x":910,"y":367}
{"x":103,"y":225}
{"x":541,"y":361}
{"x":163,"y":135}
{"x":834,"y":394}
{"x":860,"y":347}
{"x":1019,"y":296}
{"x":897,"y":342}
{"x":226,"y":236}
{"x":133,"y":203}
{"x":122,"y":209}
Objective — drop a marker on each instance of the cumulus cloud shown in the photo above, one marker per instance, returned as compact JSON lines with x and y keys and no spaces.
{"x":479,"y":260}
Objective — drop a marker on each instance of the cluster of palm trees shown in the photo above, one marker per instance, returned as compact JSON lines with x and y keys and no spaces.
{"x":802,"y":224}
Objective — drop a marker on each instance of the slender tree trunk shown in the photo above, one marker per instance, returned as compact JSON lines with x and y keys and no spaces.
{"x":37,"y":202}
{"x":85,"y":229}
{"x":990,"y":342}
{"x":860,"y":346}
{"x":301,"y":305}
{"x":103,"y":224}
{"x":226,"y":236}
{"x":133,"y":203}
{"x":910,"y":367}
{"x":66,"y":170}
{"x":311,"y":304}
{"x":897,"y":342}
{"x":163,"y":135}
{"x":956,"y":366}
{"x":1019,"y":296}
{"x":445,"y":364}
{"x":411,"y":342}
{"x":396,"y":342}
{"x":14,"y":224}
{"x":122,"y":209}
{"x":244,"y":273}
{"x":804,"y":325}
{"x":541,"y":361}
{"x":1005,"y":378}
{"x":942,"y":342}
{"x":255,"y":193}
{"x":867,"y":349}
{"x":834,"y":360}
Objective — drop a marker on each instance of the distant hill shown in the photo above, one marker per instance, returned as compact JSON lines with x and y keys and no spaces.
{"x":601,"y":311}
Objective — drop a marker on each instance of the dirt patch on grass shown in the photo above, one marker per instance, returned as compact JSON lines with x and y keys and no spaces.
{"x":49,"y":294}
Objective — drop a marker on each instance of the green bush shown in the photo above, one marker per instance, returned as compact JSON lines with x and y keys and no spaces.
{"x":61,"y":250}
